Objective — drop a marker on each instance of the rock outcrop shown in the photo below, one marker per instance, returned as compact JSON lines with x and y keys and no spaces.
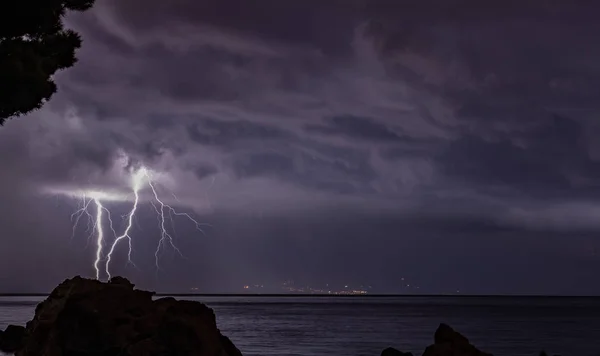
{"x":12,"y":338}
{"x":85,"y":317}
{"x":448,"y":342}
{"x":390,"y":351}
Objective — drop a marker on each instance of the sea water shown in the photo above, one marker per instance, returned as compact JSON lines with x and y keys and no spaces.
{"x":315,"y":326}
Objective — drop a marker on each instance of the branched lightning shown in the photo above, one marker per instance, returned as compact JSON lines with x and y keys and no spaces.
{"x":139,"y":179}
{"x":79,"y":213}
{"x":136,"y":184}
{"x":100,"y":239}
{"x":94,"y":224}
{"x":165,"y":236}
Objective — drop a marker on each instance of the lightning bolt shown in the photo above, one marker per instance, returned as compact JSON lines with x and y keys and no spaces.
{"x":165,"y":236}
{"x":136,"y":184}
{"x":94,"y":224}
{"x":100,"y":239}
{"x":80,"y":212}
{"x":139,"y":178}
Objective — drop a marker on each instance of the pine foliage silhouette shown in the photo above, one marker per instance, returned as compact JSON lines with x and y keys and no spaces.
{"x":34,"y":45}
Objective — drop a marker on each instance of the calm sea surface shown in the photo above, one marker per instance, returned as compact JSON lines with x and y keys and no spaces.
{"x":329,"y":326}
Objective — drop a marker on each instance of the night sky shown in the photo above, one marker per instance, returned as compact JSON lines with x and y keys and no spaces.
{"x":351,"y":142}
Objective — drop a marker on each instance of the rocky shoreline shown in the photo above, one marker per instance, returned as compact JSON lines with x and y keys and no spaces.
{"x":85,"y":317}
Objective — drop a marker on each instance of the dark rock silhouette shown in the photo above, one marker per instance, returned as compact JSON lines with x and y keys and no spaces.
{"x":543,"y":353}
{"x":12,"y":338}
{"x":86,"y":317}
{"x":448,"y":342}
{"x":390,"y":351}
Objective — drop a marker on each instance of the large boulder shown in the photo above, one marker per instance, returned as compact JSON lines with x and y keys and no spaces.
{"x":12,"y":338}
{"x":448,"y":342}
{"x":86,"y":317}
{"x":390,"y":351}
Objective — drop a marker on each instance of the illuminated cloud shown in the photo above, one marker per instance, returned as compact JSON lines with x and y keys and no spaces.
{"x":372,"y":126}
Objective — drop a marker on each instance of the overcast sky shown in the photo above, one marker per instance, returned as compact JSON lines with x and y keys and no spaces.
{"x":323,"y":141}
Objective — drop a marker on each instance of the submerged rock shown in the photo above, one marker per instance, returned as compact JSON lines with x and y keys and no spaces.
{"x":390,"y":351}
{"x":543,"y":353}
{"x":12,"y":339}
{"x":86,"y":317}
{"x":448,"y":342}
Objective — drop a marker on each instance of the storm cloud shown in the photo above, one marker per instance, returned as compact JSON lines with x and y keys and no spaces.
{"x":423,"y":140}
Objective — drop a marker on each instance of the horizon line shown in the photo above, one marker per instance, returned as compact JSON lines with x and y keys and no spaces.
{"x":307,"y":295}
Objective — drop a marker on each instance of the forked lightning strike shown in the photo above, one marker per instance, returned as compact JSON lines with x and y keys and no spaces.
{"x":136,"y":185}
{"x":95,"y":223}
{"x":165,"y":236}
{"x":139,"y":178}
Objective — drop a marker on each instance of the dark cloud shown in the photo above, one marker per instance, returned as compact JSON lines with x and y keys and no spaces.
{"x":356,"y":127}
{"x":351,"y":176}
{"x":297,"y":23}
{"x":204,"y":170}
{"x":405,"y":136}
{"x":550,"y":161}
{"x":261,"y":164}
{"x":220,"y":133}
